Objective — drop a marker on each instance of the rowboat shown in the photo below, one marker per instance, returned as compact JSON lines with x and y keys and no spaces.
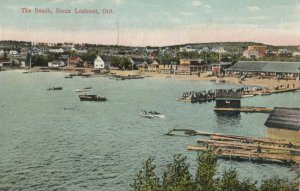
{"x":152,"y":114}
{"x":92,"y":98}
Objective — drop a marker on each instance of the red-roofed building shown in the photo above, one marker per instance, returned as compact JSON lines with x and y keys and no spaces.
{"x":74,"y":61}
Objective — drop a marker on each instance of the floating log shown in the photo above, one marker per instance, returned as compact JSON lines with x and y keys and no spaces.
{"x":253,"y":139}
{"x":245,"y":109}
{"x":191,"y":132}
{"x":248,"y":146}
{"x":247,"y":155}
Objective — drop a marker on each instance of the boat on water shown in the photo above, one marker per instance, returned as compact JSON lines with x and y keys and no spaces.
{"x":88,"y":88}
{"x":82,"y":90}
{"x":265,"y":93}
{"x":152,"y":114}
{"x":247,"y":95}
{"x":92,"y":98}
{"x":55,"y":88}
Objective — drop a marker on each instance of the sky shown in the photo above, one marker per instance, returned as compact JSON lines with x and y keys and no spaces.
{"x":153,"y":22}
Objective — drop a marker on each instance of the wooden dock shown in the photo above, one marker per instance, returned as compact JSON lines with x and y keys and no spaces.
{"x":245,"y":109}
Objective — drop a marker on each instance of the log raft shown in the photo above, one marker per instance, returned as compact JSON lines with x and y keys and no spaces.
{"x":248,"y":155}
{"x":245,"y":109}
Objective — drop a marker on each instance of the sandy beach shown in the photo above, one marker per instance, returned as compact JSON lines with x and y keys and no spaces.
{"x":269,"y":83}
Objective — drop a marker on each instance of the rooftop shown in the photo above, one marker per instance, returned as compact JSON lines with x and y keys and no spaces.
{"x":284,"y":118}
{"x":265,"y":66}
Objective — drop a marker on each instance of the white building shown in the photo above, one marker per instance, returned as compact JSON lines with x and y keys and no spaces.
{"x":187,"y":48}
{"x":99,"y":63}
{"x":59,"y":50}
{"x":218,"y":50}
{"x":1,"y":52}
{"x":56,"y":64}
{"x":296,"y":54}
{"x":251,"y":53}
{"x":13,"y":52}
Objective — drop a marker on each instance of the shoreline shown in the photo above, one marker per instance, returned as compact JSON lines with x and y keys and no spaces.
{"x":266,"y":83}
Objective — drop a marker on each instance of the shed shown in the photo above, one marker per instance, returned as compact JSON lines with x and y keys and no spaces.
{"x":228,"y":99}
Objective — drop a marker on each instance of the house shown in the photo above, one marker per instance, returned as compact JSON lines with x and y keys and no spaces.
{"x":187,"y":48}
{"x":2,"y":52}
{"x":143,"y":66}
{"x":255,"y":51}
{"x":99,"y":63}
{"x":56,"y":50}
{"x":295,"y":54}
{"x":56,"y":64}
{"x":190,"y":66}
{"x":82,"y":51}
{"x":36,"y":51}
{"x":284,"y":52}
{"x":5,"y":63}
{"x":74,"y":61}
{"x":218,"y":50}
{"x":218,"y":68}
{"x":24,"y":51}
{"x":153,"y":67}
{"x":13,"y":52}
{"x":284,"y":123}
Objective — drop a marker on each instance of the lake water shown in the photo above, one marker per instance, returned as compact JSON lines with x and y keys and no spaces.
{"x":49,"y":140}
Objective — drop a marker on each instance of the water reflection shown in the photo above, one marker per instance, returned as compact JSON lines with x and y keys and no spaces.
{"x":228,"y":119}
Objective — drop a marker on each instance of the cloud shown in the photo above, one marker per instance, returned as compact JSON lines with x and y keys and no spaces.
{"x":197,"y":3}
{"x":82,"y":1}
{"x":253,"y":8}
{"x":186,"y":13}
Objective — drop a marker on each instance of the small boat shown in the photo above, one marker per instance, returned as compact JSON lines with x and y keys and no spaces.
{"x":265,"y":93}
{"x":152,"y":114}
{"x":88,"y":88}
{"x":92,"y":98}
{"x":82,"y":90}
{"x":247,"y":95}
{"x":70,"y":76}
{"x":55,"y":88}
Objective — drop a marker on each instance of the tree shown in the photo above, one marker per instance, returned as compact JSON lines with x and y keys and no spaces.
{"x":146,"y":179}
{"x":276,"y":184}
{"x":229,"y":181}
{"x":207,"y":168}
{"x":177,"y":176}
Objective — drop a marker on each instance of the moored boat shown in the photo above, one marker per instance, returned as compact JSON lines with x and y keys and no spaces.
{"x":92,"y":98}
{"x":247,"y":95}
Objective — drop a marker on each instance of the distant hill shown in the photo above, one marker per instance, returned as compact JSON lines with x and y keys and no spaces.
{"x":233,"y":46}
{"x":230,"y":46}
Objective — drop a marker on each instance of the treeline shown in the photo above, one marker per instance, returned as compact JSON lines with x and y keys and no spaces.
{"x":177,"y":177}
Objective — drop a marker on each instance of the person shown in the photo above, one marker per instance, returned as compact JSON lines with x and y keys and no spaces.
{"x":258,"y":148}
